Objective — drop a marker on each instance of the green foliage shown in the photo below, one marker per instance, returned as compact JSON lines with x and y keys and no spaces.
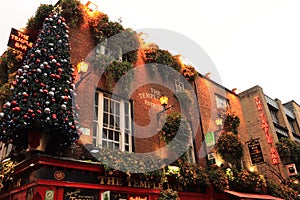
{"x":35,"y":23}
{"x":246,"y":181}
{"x":289,"y":151}
{"x":282,"y":191}
{"x":230,"y":148}
{"x":117,"y":70}
{"x":192,"y":174}
{"x":162,"y":60}
{"x":9,"y":62}
{"x":72,"y":11}
{"x":231,"y":123}
{"x":118,"y":41}
{"x":176,"y":125}
{"x":217,"y":177}
{"x":168,"y":194}
{"x":126,"y":161}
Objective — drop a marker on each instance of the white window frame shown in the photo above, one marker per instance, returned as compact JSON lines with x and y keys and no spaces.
{"x":179,"y":85}
{"x":222,"y":102}
{"x":98,"y":125}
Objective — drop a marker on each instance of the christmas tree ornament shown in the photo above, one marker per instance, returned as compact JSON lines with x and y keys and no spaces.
{"x":41,"y":92}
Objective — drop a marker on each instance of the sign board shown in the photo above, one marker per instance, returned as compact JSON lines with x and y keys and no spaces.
{"x":211,"y":158}
{"x":210,"y":139}
{"x":19,"y":40}
{"x":255,"y":152}
{"x":106,"y":195}
{"x":49,"y":195}
{"x":79,"y":194}
{"x":291,"y":169}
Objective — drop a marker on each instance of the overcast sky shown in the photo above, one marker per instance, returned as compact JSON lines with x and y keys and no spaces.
{"x":250,"y":42}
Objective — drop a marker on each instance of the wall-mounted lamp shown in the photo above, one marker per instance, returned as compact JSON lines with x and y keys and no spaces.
{"x":219,"y":122}
{"x":91,"y":6}
{"x":82,"y":67}
{"x":164,"y":100}
{"x":173,"y":169}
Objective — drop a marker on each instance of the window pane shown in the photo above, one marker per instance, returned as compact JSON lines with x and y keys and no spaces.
{"x":117,"y":146}
{"x":117,"y":123}
{"x":111,"y":121}
{"x":117,"y":108}
{"x":126,"y":122}
{"x":104,"y":143}
{"x":96,"y":113}
{"x":126,"y":138}
{"x":110,"y":135}
{"x":105,"y":120}
{"x":104,"y":134}
{"x":112,"y":106}
{"x":110,"y":145}
{"x":96,"y":98}
{"x":126,"y":108}
{"x":105,"y":105}
{"x":117,"y":136}
{"x":126,"y":148}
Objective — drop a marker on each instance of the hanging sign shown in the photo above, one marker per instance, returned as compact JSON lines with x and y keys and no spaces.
{"x":255,"y":152}
{"x":19,"y":40}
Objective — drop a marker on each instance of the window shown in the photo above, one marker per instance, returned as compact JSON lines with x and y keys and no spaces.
{"x":291,"y":124}
{"x":273,"y":113}
{"x":112,"y":123}
{"x":222,"y":102}
{"x":179,"y":85}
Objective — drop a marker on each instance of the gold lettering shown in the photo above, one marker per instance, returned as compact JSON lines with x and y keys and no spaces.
{"x":111,"y":181}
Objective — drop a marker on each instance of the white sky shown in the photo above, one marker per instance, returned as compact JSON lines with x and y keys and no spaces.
{"x":251,"y":42}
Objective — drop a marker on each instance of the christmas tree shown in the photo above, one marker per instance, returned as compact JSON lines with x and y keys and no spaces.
{"x":42,"y":90}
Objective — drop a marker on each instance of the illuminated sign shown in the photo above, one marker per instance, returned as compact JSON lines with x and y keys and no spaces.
{"x":19,"y":40}
{"x":265,"y":128}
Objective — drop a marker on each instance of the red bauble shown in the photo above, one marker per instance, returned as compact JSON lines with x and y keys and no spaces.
{"x":37,"y":61}
{"x":30,"y":111}
{"x":57,"y":76}
{"x":16,"y":109}
{"x":13,"y":103}
{"x":58,"y":64}
{"x":45,"y":91}
{"x":39,"y":111}
{"x":51,"y":57}
{"x":42,"y":84}
{"x":54,"y":116}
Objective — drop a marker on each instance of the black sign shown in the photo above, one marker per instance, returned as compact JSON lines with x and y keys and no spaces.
{"x":19,"y":40}
{"x":255,"y":152}
{"x":80,"y":194}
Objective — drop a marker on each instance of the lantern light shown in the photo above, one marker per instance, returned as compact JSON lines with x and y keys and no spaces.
{"x":91,"y":6}
{"x":82,"y":66}
{"x":164,"y":100}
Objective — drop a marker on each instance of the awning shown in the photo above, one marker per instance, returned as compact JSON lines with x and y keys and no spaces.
{"x":251,"y":196}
